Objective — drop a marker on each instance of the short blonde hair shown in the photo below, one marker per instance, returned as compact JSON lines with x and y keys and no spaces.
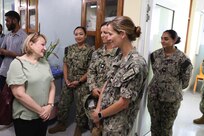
{"x":32,"y":38}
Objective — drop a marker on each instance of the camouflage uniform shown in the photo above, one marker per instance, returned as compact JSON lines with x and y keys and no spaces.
{"x":100,"y":64}
{"x":171,"y":75}
{"x":125,"y":79}
{"x":202,"y":91}
{"x":78,"y":60}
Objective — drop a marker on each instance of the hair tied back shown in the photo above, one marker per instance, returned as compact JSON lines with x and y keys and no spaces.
{"x":138,"y":31}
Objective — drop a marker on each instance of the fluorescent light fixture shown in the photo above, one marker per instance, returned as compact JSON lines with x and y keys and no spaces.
{"x":93,"y":6}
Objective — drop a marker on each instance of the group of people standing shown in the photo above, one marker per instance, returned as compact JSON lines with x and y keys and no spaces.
{"x":116,"y":64}
{"x":114,"y":74}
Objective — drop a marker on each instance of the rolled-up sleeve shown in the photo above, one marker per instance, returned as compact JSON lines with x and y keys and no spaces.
{"x":128,"y":88}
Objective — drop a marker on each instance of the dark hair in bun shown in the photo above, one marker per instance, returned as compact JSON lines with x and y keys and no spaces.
{"x":124,"y":23}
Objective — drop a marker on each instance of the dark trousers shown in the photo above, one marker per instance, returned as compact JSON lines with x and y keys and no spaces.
{"x":2,"y":82}
{"x":36,"y":127}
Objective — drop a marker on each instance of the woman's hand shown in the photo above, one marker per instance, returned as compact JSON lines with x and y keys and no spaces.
{"x":46,"y":112}
{"x":42,"y":113}
{"x":73,"y":84}
{"x":94,"y":116}
{"x":96,"y":92}
{"x":70,"y":84}
{"x":67,"y":82}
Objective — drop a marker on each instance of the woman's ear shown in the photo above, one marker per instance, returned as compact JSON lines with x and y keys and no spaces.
{"x":123,"y":34}
{"x":31,"y":43}
{"x":175,"y":40}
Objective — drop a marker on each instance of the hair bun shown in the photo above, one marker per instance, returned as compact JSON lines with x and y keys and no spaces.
{"x":138,"y":31}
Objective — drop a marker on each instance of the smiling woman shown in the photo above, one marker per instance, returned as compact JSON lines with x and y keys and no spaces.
{"x":123,"y":90}
{"x":172,"y":72}
{"x":76,"y":61}
{"x":32,"y":85}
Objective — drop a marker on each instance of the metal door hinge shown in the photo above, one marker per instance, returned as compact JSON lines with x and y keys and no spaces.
{"x":147,"y":14}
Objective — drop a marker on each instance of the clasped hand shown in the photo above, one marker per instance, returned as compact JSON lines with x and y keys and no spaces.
{"x":72,"y":84}
{"x":45,"y":112}
{"x":94,"y":116}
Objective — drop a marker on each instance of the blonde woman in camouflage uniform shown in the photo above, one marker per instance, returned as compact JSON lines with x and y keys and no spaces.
{"x":76,"y":62}
{"x":172,"y":72}
{"x":99,"y":66}
{"x":201,"y":119}
{"x":125,"y":81}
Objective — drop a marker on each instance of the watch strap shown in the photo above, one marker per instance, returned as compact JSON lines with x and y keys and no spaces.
{"x":51,"y":104}
{"x":100,"y":116}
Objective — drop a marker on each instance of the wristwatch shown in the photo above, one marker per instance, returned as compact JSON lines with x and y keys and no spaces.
{"x":100,"y":116}
{"x":51,"y":104}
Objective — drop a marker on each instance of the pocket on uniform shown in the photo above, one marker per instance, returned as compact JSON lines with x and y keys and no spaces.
{"x":123,"y":76}
{"x":129,"y":74}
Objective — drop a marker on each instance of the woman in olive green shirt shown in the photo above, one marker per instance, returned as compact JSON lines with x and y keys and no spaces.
{"x":32,"y":85}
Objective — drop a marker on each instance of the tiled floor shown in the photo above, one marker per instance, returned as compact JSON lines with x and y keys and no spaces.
{"x":183,"y":126}
{"x":189,"y":111}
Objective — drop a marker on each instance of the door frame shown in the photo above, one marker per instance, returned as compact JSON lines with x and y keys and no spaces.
{"x":145,"y":45}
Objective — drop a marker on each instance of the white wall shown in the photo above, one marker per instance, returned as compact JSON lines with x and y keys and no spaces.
{"x":198,"y":6}
{"x":58,"y":19}
{"x":181,"y":20}
{"x":195,"y":45}
{"x":132,"y":9}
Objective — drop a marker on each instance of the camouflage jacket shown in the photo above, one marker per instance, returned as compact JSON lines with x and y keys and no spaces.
{"x":100,"y":64}
{"x":125,"y":79}
{"x":171,"y":75}
{"x":77,"y":60}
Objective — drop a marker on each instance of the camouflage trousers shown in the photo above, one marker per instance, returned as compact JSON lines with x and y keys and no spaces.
{"x":68,"y":96}
{"x":202,"y":99}
{"x":112,"y":133}
{"x":163,"y":115}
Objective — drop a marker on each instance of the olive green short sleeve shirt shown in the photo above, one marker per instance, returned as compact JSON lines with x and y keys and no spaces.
{"x":37,"y":81}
